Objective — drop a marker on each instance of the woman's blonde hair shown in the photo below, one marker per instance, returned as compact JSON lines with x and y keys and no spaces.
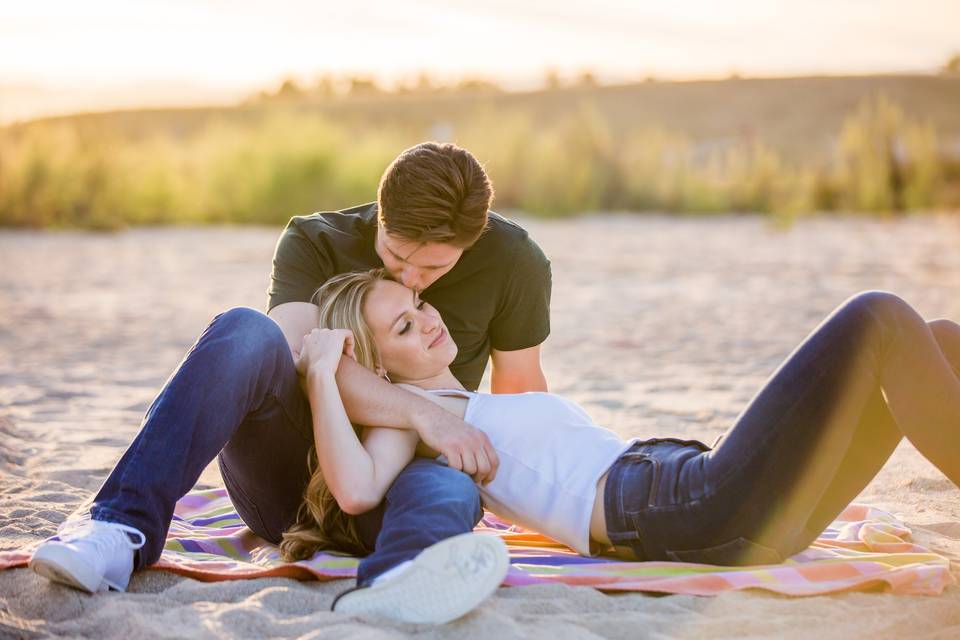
{"x":321,"y":523}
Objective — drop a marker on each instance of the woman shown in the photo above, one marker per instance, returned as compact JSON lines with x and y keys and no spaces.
{"x":870,"y":374}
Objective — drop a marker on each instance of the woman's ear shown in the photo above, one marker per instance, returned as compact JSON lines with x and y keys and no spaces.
{"x":381,"y":372}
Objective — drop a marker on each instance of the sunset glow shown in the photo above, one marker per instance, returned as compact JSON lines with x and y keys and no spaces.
{"x":55,"y":43}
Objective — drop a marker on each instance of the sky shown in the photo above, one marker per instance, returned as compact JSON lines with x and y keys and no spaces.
{"x":231,"y":47}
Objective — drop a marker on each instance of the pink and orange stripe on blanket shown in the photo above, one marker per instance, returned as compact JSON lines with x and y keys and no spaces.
{"x":865,"y":548}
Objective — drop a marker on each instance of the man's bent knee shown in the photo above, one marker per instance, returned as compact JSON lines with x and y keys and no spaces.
{"x":249,"y":331}
{"x":433,"y":481}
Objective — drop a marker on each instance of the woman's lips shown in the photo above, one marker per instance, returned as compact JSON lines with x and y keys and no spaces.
{"x":440,"y":338}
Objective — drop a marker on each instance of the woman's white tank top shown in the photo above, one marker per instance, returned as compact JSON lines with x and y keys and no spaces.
{"x":552,"y":455}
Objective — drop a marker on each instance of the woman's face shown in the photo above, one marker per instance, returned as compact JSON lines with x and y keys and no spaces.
{"x":413,"y":341}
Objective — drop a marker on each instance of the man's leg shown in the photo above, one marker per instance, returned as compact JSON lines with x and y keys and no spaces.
{"x":427,"y":503}
{"x":237,"y":383}
{"x":427,"y":566}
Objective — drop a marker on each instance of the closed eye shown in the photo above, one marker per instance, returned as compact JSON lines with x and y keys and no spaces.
{"x":407,"y":324}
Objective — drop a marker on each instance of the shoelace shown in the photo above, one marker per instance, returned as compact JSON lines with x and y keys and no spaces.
{"x":75,"y":529}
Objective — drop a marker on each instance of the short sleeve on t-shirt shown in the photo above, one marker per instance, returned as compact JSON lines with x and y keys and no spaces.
{"x":523,"y":319}
{"x":299,"y":267}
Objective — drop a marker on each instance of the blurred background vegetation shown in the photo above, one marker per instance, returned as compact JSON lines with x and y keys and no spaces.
{"x":786,"y":147}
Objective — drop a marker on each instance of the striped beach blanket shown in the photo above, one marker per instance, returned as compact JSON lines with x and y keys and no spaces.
{"x":863,"y":549}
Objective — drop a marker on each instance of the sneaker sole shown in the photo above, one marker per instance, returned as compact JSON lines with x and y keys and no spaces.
{"x":61,"y":565}
{"x":433,"y":590}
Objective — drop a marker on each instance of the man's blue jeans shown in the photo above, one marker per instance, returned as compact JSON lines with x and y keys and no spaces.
{"x":236,"y":396}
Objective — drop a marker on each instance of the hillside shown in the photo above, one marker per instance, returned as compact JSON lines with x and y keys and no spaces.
{"x":798,"y":117}
{"x":786,"y":146}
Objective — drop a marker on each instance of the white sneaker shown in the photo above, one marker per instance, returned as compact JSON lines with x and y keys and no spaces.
{"x":91,"y":555}
{"x":444,"y":582}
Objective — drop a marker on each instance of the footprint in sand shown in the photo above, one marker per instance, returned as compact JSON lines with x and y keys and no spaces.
{"x":947,"y":529}
{"x":930,"y":484}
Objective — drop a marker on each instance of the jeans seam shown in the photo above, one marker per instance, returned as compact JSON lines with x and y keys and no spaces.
{"x":622,"y":514}
{"x":132,"y":464}
{"x":621,"y":508}
{"x":275,"y":395}
{"x":225,"y":470}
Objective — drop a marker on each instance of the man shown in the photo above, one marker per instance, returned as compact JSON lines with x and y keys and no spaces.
{"x":237,"y":396}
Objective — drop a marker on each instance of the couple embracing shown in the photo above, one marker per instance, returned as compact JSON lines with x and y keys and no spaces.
{"x":347,"y":417}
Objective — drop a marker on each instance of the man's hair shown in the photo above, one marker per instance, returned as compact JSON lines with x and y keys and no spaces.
{"x":435,"y":192}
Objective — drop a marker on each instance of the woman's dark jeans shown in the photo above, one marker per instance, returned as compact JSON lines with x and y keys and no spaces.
{"x":806,"y":445}
{"x":236,"y":397}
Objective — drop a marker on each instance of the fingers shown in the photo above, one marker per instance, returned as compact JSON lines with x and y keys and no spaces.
{"x":323,"y":348}
{"x":300,"y":360}
{"x":481,"y":460}
{"x":482,"y":457}
{"x":349,"y":346}
{"x":454,"y":461}
{"x":469,"y":463}
{"x":493,"y":459}
{"x":483,"y":468}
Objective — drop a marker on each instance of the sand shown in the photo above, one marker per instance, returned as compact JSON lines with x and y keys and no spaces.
{"x":660,"y":327}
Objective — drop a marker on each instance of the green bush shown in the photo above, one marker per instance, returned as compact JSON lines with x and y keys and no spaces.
{"x":271,"y":164}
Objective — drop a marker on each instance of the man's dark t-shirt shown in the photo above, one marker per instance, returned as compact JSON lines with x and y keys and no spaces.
{"x":496,"y":296}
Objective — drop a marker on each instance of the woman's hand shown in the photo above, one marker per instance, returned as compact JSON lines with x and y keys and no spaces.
{"x":321,"y":351}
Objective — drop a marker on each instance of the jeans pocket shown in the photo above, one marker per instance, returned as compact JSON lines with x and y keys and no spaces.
{"x":681,"y":441}
{"x":737,"y":552}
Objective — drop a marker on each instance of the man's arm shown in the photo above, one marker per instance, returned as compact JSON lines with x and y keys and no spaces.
{"x":517,"y":371}
{"x":523,"y":322}
{"x":296,"y":319}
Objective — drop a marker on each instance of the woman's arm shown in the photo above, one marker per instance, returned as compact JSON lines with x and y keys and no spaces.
{"x":391,"y":451}
{"x":358,"y":475}
{"x":357,"y":479}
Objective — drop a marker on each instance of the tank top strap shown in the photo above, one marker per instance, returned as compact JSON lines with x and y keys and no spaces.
{"x":463,"y":393}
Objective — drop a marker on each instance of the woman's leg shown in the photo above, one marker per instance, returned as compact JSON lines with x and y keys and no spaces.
{"x":832,"y":414}
{"x":947,"y":334}
{"x":876,"y":432}
{"x":236,"y":388}
{"x":810,"y":440}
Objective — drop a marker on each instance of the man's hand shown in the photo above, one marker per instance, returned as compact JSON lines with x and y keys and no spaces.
{"x":466,"y":448}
